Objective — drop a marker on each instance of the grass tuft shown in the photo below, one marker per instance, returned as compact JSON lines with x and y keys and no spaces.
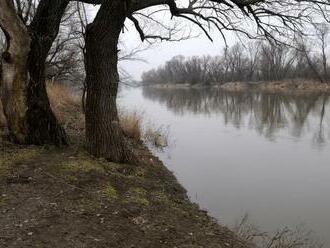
{"x":84,"y":165}
{"x":2,"y":200}
{"x":138,"y":196}
{"x":160,"y":196}
{"x":11,"y":159}
{"x":110,"y":192}
{"x":131,"y":123}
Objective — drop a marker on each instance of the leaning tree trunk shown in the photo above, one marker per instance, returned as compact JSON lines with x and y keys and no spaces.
{"x":104,"y":136}
{"x":13,"y":74}
{"x":43,"y":127}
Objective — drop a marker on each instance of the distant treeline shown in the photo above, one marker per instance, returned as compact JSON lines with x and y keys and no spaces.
{"x":252,"y":62}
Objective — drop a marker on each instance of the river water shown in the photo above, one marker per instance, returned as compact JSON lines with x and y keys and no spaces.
{"x":265,"y":155}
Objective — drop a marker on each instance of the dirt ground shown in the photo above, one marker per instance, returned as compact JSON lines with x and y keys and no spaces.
{"x":52,"y":197}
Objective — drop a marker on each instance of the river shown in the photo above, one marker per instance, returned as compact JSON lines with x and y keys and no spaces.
{"x":262,"y":154}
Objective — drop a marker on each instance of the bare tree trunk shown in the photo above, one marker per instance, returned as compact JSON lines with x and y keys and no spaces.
{"x":25,"y":101}
{"x":14,"y":76}
{"x":43,"y":125}
{"x":104,"y":135}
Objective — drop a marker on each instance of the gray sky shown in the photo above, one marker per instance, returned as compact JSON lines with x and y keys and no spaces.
{"x":163,"y":51}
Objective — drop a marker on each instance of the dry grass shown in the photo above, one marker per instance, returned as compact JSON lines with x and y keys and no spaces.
{"x":65,"y":105}
{"x":298,"y":237}
{"x":156,"y":136}
{"x":131,"y":123}
{"x":134,"y":127}
{"x":63,"y":100}
{"x":67,"y":108}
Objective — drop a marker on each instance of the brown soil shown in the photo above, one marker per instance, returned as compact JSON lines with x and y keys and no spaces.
{"x":52,"y":197}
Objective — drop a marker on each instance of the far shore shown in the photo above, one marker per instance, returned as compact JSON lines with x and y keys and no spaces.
{"x":302,"y":86}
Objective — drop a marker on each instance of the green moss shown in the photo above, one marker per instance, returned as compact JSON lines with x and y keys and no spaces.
{"x":82,"y":165}
{"x":83,"y":162}
{"x":138,"y":196}
{"x":3,"y":169}
{"x":111,"y":168}
{"x":11,"y":158}
{"x":160,"y":197}
{"x":2,"y":200}
{"x":72,"y":179}
{"x":110,"y":192}
{"x":140,"y":173}
{"x":126,"y":172}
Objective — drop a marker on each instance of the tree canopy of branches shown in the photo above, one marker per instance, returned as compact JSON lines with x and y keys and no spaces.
{"x":24,"y":96}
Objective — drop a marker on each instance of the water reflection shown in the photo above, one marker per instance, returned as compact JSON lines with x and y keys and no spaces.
{"x":267,"y":113}
{"x":222,"y":158}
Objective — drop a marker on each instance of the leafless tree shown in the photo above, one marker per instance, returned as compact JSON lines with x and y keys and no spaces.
{"x":56,"y":30}
{"x":322,"y":35}
{"x":104,"y":138}
{"x":65,"y":60}
{"x":276,"y":61}
{"x":28,"y":41}
{"x":265,"y":61}
{"x":304,"y":49}
{"x":270,"y":19}
{"x":253,"y":52}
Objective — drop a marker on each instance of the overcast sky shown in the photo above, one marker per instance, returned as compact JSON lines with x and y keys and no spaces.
{"x":163,"y":51}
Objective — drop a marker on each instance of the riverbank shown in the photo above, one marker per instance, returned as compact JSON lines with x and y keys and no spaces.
{"x":300,"y":86}
{"x":51,"y":197}
{"x":54,"y":197}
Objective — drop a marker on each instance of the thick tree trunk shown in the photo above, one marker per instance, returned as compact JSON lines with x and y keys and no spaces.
{"x":23,"y":90}
{"x":26,"y":105}
{"x":104,"y":135}
{"x":43,"y":127}
{"x":14,"y":76}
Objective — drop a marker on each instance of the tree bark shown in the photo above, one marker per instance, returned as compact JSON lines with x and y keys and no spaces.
{"x":104,"y":136}
{"x":26,"y":104}
{"x":43,"y":127}
{"x":14,"y":73}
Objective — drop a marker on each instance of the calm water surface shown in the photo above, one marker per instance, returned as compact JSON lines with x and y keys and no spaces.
{"x":267,"y":155}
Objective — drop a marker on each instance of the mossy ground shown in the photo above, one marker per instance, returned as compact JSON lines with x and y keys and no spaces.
{"x":52,"y":197}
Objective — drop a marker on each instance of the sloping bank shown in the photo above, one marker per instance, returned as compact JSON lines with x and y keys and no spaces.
{"x":53,"y":197}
